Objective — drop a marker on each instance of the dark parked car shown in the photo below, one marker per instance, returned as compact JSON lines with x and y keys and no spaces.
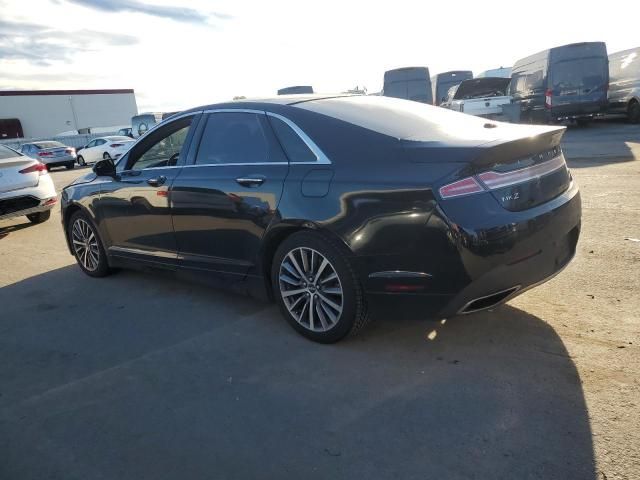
{"x":329,"y":205}
{"x":624,"y":84}
{"x":442,"y":82}
{"x":562,"y":83}
{"x":410,"y":83}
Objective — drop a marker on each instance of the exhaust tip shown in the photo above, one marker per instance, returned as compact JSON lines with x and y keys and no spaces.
{"x":488,"y":301}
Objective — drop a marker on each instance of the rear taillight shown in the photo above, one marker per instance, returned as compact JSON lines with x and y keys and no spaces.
{"x":41,"y":168}
{"x":487,"y":181}
{"x":116,"y":145}
{"x":547,"y":98}
{"x":45,"y":154}
{"x":70,"y":150}
{"x":466,"y":186}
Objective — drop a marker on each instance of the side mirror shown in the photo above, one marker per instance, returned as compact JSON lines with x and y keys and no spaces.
{"x":105,"y":168}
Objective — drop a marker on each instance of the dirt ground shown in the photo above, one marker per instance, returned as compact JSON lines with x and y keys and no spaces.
{"x":138,"y":377}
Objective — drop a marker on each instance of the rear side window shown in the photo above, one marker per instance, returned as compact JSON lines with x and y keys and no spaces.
{"x":296,"y":149}
{"x":237,"y":138}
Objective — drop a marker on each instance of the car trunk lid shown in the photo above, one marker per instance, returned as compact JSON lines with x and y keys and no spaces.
{"x":520,"y":171}
{"x":11,"y":177}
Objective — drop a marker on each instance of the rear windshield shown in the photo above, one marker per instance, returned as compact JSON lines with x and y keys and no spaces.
{"x":482,"y":87}
{"x":42,"y":145}
{"x":6,"y":152}
{"x":580,"y":72}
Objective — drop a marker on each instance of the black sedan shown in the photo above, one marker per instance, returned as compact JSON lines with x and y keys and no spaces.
{"x":329,"y":205}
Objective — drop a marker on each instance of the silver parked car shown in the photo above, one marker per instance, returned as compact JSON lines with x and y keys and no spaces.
{"x":52,"y":154}
{"x":25,"y":187}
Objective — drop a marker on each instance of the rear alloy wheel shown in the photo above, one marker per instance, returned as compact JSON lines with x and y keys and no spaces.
{"x":316,"y":288}
{"x":634,"y":112}
{"x":106,"y":156}
{"x":39,"y":217}
{"x":87,"y":247}
{"x":81,"y":161}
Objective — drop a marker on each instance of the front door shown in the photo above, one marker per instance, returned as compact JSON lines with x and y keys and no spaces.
{"x":134,"y":207}
{"x":223,"y":201}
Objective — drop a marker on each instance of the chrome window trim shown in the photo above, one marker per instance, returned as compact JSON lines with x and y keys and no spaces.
{"x":322,"y":159}
{"x":155,"y":127}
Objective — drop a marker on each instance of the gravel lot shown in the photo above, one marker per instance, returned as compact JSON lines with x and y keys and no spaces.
{"x":137,"y":376}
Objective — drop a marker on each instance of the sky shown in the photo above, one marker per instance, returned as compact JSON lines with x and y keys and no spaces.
{"x":177,"y":54}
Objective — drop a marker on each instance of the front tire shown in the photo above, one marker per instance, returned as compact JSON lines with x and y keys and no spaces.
{"x":39,"y":217}
{"x":81,"y":161}
{"x":87,"y":246}
{"x":317,"y":289}
{"x":634,"y":112}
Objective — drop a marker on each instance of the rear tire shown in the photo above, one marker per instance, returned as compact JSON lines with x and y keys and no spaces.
{"x":87,"y":246}
{"x":634,"y":112}
{"x":70,"y":166}
{"x":319,"y":270}
{"x":81,"y":161}
{"x":39,"y":217}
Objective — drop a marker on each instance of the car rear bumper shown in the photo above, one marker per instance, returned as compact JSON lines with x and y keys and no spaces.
{"x":29,"y":200}
{"x":58,"y":160}
{"x":467,"y":269}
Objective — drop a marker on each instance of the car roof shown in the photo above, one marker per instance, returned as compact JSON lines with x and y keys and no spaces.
{"x":279,"y":100}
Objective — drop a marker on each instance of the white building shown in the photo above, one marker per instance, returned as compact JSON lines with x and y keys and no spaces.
{"x":43,"y":113}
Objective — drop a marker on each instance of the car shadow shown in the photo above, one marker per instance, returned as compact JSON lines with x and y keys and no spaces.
{"x":5,"y":230}
{"x":140,"y":376}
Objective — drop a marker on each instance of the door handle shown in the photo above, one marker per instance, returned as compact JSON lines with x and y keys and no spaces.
{"x":250,"y":181}
{"x":156,"y":182}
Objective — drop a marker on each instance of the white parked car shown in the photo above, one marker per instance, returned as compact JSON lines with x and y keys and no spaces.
{"x":26,"y":187}
{"x":103,"y":148}
{"x":483,"y":97}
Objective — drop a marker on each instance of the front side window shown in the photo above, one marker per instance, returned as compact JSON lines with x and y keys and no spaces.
{"x":161,"y":148}
{"x":296,"y":149}
{"x":234,"y":137}
{"x":91,"y":144}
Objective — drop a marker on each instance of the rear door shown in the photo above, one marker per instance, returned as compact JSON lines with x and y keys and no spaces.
{"x":223,"y":202}
{"x":579,"y":85}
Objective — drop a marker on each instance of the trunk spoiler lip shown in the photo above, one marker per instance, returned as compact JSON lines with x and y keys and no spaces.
{"x":509,"y":147}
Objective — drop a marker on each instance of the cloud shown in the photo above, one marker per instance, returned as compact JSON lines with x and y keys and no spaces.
{"x":180,"y":14}
{"x":42,"y":45}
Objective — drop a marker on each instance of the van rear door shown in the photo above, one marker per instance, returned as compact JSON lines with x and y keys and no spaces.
{"x":578,"y":80}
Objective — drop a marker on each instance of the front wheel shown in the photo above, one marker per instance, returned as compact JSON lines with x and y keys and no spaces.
{"x":87,"y":247}
{"x":39,"y":217}
{"x":634,"y":112}
{"x":317,"y":289}
{"x":81,"y":161}
{"x":106,"y":156}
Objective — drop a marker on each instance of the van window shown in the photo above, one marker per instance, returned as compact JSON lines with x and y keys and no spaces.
{"x":534,"y":80}
{"x":581,"y":72}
